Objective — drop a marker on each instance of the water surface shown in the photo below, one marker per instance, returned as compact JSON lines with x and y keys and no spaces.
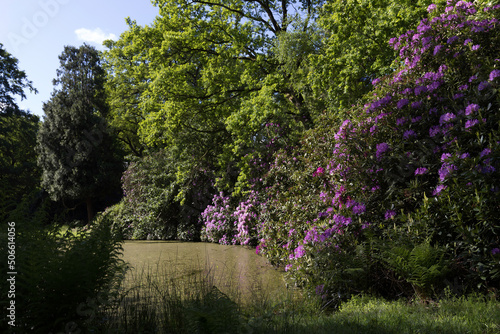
{"x":230,"y":267}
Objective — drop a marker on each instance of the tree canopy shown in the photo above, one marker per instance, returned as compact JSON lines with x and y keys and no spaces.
{"x":18,"y":171}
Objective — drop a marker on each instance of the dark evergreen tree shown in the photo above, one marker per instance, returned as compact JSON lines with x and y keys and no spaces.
{"x":75,"y":150}
{"x":19,"y":174}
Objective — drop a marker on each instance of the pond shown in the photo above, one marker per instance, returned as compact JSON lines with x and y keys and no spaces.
{"x":229,"y":267}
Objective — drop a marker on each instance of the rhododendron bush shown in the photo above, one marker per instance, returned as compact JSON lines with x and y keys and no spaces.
{"x":402,"y":196}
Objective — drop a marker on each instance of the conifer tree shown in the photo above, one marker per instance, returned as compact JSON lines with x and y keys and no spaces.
{"x":75,"y":150}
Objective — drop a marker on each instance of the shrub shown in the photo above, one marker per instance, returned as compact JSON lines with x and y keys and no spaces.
{"x":156,"y":205}
{"x":416,"y":163}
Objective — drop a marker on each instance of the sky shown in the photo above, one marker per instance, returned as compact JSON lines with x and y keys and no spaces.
{"x":36,"y":31}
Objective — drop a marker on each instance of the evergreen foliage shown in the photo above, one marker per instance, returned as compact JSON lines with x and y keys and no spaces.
{"x":75,"y":149}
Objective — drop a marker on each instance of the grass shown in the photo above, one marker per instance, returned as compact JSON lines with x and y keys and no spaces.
{"x":150,"y":302}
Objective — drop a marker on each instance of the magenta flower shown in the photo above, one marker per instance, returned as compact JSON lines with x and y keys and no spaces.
{"x":389,"y":214}
{"x":299,"y":252}
{"x":431,"y":8}
{"x":438,"y":189}
{"x":421,"y":171}
{"x":319,"y":171}
{"x":359,"y":208}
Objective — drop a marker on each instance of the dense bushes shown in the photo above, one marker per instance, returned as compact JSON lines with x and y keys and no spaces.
{"x":156,"y":205}
{"x":401,"y":195}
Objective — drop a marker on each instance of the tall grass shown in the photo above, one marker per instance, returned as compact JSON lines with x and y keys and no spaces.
{"x":156,"y":300}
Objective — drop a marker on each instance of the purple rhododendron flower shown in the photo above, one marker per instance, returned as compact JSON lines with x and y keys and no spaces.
{"x":495,"y":251}
{"x":446,"y":118}
{"x":431,"y":8}
{"x":482,"y":85}
{"x":445,"y":156}
{"x":421,"y":171}
{"x":452,"y":39}
{"x":464,"y":156}
{"x":437,"y":48}
{"x":475,"y":47}
{"x":416,"y":104}
{"x":487,"y":169}
{"x":438,"y":189}
{"x":300,"y":252}
{"x":359,"y":208}
{"x":401,"y":103}
{"x":446,"y":170}
{"x":494,"y":74}
{"x":485,"y":152}
{"x":420,"y":89}
{"x":381,"y":149}
{"x":434,"y":130}
{"x":400,"y":121}
{"x":471,"y":108}
{"x":389,"y":214}
{"x":409,"y":134}
{"x":470,"y":123}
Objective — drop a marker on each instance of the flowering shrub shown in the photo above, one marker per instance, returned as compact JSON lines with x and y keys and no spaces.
{"x":224,"y":224}
{"x":218,"y":221}
{"x":416,"y":165}
{"x":151,"y":208}
{"x":246,"y":215}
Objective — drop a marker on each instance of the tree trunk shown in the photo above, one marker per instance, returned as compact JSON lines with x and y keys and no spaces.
{"x":90,"y":210}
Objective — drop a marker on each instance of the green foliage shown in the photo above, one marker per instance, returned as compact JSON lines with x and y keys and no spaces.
{"x":61,"y":278}
{"x":75,"y":150}
{"x":152,"y":208}
{"x":13,"y":81}
{"x":423,"y":266}
{"x":355,"y":47}
{"x":19,"y":174}
{"x":18,"y":171}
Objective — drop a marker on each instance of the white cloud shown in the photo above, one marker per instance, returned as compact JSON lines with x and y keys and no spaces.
{"x":93,"y":36}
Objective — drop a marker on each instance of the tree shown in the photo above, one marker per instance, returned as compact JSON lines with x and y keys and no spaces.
{"x":356,"y":49}
{"x":75,"y":149}
{"x":204,"y":80}
{"x":18,"y":172}
{"x":13,"y":81}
